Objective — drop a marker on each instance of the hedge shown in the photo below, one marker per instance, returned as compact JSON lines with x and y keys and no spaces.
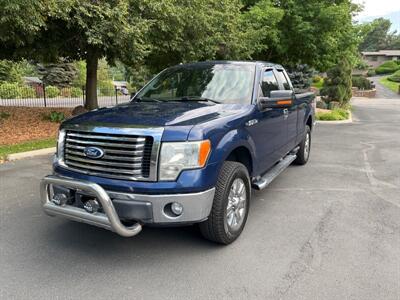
{"x":387,"y":67}
{"x":52,"y":91}
{"x":76,"y":92}
{"x":10,"y":91}
{"x":395,"y":77}
{"x":361,"y":82}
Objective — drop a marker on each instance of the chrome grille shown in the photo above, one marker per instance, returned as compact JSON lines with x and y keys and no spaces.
{"x":125,"y":156}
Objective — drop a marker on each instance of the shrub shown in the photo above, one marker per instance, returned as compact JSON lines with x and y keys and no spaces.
{"x":76,"y":92}
{"x":319,"y":84}
{"x":65,"y":92}
{"x":395,"y":77}
{"x":387,"y":67}
{"x":10,"y":91}
{"x":361,"y":65}
{"x":317,"y":79}
{"x":27,"y":92}
{"x":361,"y":82}
{"x":106,"y":88}
{"x":337,"y":114}
{"x":55,"y":117}
{"x":371,"y":72}
{"x":337,"y":86}
{"x":52,"y":91}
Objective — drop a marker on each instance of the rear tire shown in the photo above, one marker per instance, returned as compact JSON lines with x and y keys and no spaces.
{"x":231,"y":205}
{"x":305,"y":147}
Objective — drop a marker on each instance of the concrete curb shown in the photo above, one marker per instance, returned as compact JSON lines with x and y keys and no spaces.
{"x":22,"y":155}
{"x":349,"y":120}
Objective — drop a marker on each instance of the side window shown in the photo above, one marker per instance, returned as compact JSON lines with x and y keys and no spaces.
{"x":282,"y":78}
{"x":269,"y":83}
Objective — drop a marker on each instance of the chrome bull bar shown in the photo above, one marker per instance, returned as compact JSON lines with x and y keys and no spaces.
{"x":109,"y":220}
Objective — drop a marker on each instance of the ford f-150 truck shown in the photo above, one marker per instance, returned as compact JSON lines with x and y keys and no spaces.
{"x":188,"y":148}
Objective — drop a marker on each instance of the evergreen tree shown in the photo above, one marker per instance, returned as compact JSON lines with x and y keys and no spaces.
{"x":337,"y":86}
{"x":60,"y":75}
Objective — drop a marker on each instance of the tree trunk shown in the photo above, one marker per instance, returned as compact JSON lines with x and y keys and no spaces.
{"x":91,"y":81}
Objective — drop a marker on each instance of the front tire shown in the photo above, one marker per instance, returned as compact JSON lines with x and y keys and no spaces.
{"x":231,"y":205}
{"x":305,"y":147}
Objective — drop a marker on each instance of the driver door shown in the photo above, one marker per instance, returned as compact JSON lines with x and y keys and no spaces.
{"x":270,"y":133}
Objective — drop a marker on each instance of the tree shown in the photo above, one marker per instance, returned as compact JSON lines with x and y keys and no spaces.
{"x":80,"y":78}
{"x":314,"y":32}
{"x":259,"y":30}
{"x":90,"y":30}
{"x":13,"y":72}
{"x":185,"y":31}
{"x":147,"y":35}
{"x":317,"y":32}
{"x":337,"y":86}
{"x":73,"y":30}
{"x":157,"y":33}
{"x":375,"y":35}
{"x":60,"y":75}
{"x":20,"y":23}
{"x":9,"y":72}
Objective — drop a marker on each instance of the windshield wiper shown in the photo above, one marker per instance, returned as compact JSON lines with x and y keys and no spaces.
{"x":194,"y":98}
{"x":144,"y":99}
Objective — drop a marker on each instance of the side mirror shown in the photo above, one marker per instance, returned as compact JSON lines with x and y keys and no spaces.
{"x":277,"y":99}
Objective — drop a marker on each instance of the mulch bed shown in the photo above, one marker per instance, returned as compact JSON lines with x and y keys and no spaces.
{"x":28,"y":124}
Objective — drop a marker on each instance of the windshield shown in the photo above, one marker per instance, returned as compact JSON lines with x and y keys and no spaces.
{"x":220,"y":83}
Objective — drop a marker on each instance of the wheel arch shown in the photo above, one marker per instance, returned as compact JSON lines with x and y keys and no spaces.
{"x":242,"y":155}
{"x":310,"y":122}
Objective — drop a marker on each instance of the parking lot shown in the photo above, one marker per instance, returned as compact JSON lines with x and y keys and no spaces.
{"x":328,"y":230}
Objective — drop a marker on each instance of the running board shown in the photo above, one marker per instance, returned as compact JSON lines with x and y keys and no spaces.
{"x":266,"y":179}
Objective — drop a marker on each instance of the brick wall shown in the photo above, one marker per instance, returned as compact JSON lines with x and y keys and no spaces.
{"x":363,"y":93}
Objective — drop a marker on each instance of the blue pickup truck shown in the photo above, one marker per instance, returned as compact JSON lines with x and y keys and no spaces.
{"x":188,"y":148}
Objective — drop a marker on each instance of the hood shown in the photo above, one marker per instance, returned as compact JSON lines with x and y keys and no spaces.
{"x":155,"y":114}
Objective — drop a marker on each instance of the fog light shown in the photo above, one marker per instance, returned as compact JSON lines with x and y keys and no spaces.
{"x":91,"y":206}
{"x":59,"y":199}
{"x":177,"y":208}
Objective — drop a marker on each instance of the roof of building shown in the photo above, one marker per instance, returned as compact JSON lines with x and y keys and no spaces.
{"x":120,"y":83}
{"x":28,"y":79}
{"x":382,"y":53}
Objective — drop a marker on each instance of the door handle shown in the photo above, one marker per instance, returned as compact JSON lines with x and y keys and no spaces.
{"x":285,"y":113}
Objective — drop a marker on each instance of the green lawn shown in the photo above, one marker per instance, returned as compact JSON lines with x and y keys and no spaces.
{"x":394,"y":86}
{"x":337,"y":114}
{"x":27,"y":146}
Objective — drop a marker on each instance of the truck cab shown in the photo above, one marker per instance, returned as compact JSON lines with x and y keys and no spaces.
{"x":188,"y":148}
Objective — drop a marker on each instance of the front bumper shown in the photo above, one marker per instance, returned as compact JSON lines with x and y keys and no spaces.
{"x":125,"y":206}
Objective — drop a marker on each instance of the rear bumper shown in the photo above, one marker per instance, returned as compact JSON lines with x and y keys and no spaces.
{"x":125,"y":206}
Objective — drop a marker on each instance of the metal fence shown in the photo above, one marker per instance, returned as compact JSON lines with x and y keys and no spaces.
{"x":49,"y":96}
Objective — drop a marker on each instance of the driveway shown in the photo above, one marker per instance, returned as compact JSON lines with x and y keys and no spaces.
{"x":382,"y":91}
{"x":328,"y":230}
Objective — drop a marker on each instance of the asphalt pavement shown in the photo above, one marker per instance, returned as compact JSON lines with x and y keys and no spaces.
{"x":382,"y":91}
{"x":327,"y":230}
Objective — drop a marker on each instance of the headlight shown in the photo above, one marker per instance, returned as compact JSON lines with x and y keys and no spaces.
{"x":178,"y":156}
{"x":60,"y":145}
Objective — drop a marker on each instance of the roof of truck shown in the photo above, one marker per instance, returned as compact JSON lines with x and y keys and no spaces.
{"x":250,"y":62}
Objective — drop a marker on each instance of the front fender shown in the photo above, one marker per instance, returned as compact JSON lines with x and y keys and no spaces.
{"x":229,"y":142}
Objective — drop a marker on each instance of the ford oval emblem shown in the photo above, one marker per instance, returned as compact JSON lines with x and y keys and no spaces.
{"x":93,"y":152}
